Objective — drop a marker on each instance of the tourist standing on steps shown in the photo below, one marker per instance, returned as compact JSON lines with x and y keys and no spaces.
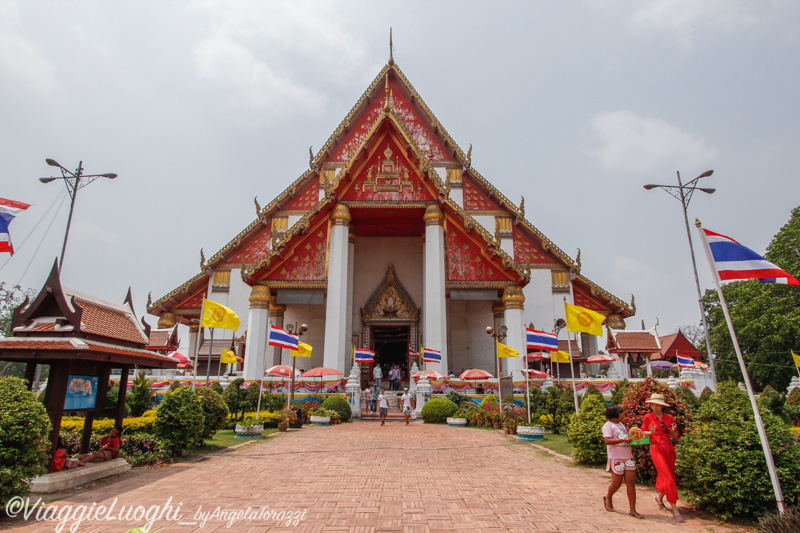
{"x":396,"y":377}
{"x":662,"y":428}
{"x":383,"y":405}
{"x":374,"y":399}
{"x":406,"y":399}
{"x":620,"y":460}
{"x":377,"y":373}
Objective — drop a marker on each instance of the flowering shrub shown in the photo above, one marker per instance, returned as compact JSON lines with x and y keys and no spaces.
{"x":132,"y":426}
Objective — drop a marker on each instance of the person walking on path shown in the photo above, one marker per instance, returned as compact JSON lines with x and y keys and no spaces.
{"x":377,"y":373}
{"x":662,"y":428}
{"x":620,"y":460}
{"x":396,"y":377}
{"x":374,"y":399}
{"x":383,"y":405}
{"x":406,"y":399}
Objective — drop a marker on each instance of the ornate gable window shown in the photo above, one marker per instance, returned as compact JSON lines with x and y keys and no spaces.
{"x":389,"y":303}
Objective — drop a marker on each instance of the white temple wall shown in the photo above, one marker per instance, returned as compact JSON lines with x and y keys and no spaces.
{"x":542,"y":307}
{"x":314,"y":317}
{"x":235,"y":298}
{"x":372,"y":258}
{"x":470,"y":346}
{"x":488,"y":223}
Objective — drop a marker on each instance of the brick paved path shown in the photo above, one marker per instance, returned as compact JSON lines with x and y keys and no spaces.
{"x":362,"y":477}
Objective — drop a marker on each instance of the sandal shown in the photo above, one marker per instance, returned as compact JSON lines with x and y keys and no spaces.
{"x":609,"y":507}
{"x":678,"y":518}
{"x":661,"y":506}
{"x":636,"y":515}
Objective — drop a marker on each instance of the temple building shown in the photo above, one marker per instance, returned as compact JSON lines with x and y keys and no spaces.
{"x":389,"y":241}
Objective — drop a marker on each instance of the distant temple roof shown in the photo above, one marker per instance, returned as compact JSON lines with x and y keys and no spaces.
{"x":632,"y":341}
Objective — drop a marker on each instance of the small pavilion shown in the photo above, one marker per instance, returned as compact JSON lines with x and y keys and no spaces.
{"x":83,"y":339}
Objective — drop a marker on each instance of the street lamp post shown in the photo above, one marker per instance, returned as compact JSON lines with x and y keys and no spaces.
{"x":74,"y":181}
{"x":498,"y":336}
{"x":683,"y":192}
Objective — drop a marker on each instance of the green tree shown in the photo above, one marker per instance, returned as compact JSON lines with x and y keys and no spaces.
{"x":180,"y":421}
{"x":764,"y":315}
{"x":585,"y":432}
{"x":215,"y":411}
{"x":235,"y":398}
{"x":139,"y":399}
{"x":10,"y":299}
{"x":24,"y":445}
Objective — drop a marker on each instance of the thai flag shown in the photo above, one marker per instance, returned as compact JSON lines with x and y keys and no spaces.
{"x":684,"y":361}
{"x":734,"y":261}
{"x":282,"y":338}
{"x":413,"y":353}
{"x":429,"y":355}
{"x":540,"y":340}
{"x":8,"y":210}
{"x":364,"y":356}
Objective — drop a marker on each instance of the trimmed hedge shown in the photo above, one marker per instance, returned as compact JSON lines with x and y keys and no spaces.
{"x":179,"y":421}
{"x":585,"y":431}
{"x":340,"y":405}
{"x":438,"y":410}
{"x":132,"y":426}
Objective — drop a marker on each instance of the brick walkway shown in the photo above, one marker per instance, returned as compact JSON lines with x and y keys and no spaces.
{"x":362,"y":477}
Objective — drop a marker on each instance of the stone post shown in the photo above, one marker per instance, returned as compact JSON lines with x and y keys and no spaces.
{"x":257,"y":332}
{"x":335,"y":353}
{"x":434,"y":301}
{"x":793,"y":384}
{"x":412,"y":385}
{"x":423,"y":393}
{"x":353,"y":389}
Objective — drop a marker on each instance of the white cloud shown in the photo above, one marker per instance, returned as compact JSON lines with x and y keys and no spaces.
{"x":86,"y":232}
{"x":252,"y":83}
{"x":630,"y":143}
{"x":21,"y":64}
{"x":683,"y":20}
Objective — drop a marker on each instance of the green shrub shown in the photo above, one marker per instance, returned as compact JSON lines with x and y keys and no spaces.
{"x":24,"y":442}
{"x":585,"y":431}
{"x":774,"y":401}
{"x":174,"y":385}
{"x":706,"y":394}
{"x":139,"y":399}
{"x":775,"y":523}
{"x":691,"y":401}
{"x":438,"y":410}
{"x":132,"y":426}
{"x":591,"y":389}
{"x":559,"y":404}
{"x":215,"y":411}
{"x":456,"y":398}
{"x":217,"y":387}
{"x":251,"y":398}
{"x":338,"y":404}
{"x":721,"y":462}
{"x":179,"y":420}
{"x":236,"y":398}
{"x":793,"y":405}
{"x":634,"y":410}
{"x":489,"y":399}
{"x":619,"y":392}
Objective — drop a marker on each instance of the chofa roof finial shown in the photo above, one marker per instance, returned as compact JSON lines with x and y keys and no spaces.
{"x":391,"y":56}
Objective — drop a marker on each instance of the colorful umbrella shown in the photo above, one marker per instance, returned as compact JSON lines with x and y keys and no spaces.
{"x":664,"y":365}
{"x":700,"y":365}
{"x":474,"y":374}
{"x":536,"y":374}
{"x":283,"y":371}
{"x":538,"y":356}
{"x":601,"y":358}
{"x":432,"y":374}
{"x":321,"y":371}
{"x":179,"y":356}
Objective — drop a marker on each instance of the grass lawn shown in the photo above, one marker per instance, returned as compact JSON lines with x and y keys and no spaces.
{"x":225,"y":438}
{"x":557,"y":443}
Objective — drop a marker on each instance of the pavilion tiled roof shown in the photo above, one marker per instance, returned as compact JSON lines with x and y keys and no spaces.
{"x":110,"y":322}
{"x":85,"y":349}
{"x":635,"y":341}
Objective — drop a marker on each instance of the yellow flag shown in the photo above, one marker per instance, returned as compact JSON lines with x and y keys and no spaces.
{"x":582,"y":320}
{"x":562,"y":357}
{"x":218,"y":316}
{"x":229,"y":357}
{"x":796,"y":359}
{"x":506,"y":351}
{"x":304,"y":350}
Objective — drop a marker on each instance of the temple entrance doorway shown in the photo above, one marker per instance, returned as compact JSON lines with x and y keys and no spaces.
{"x":390,"y":344}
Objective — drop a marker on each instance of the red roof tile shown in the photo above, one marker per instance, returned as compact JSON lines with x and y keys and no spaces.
{"x":636,"y":341}
{"x":109,"y":322}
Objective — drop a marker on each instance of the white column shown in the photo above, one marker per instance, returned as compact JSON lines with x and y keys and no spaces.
{"x":257,"y":332}
{"x":335,"y":353}
{"x":423,"y":393}
{"x":513,"y":302}
{"x":276,"y":314}
{"x":434,"y":306}
{"x":351,"y":247}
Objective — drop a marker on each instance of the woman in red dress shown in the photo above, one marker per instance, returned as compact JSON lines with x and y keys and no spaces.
{"x":661,"y":428}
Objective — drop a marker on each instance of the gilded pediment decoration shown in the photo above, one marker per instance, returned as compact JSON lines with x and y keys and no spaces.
{"x":390,"y":302}
{"x":389,"y":175}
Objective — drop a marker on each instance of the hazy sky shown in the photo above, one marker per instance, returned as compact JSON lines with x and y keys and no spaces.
{"x":201,"y":106}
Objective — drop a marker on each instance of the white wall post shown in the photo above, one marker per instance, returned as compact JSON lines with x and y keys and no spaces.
{"x":434,"y":306}
{"x":257,"y":332}
{"x":336,"y":304}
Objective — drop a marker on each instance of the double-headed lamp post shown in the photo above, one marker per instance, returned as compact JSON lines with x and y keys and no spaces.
{"x":74,"y":181}
{"x":302,"y":329}
{"x":683,"y":192}
{"x":498,"y":336}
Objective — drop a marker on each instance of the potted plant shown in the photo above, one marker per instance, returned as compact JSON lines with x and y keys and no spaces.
{"x":459,"y":418}
{"x":510,"y":425}
{"x":497,"y":420}
{"x":473,"y":418}
{"x":249,"y":428}
{"x":336,"y":418}
{"x":530,"y":431}
{"x":319,"y":416}
{"x":288,"y":417}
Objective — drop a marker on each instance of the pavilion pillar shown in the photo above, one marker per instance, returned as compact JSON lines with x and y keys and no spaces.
{"x":513,"y":302}
{"x":277,"y":313}
{"x":434,"y":301}
{"x":54,"y":396}
{"x":335,"y":353}
{"x":257,"y":332}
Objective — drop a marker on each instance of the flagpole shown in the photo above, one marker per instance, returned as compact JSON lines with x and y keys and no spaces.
{"x":210,"y":347}
{"x":195,"y":354}
{"x":528,"y":387}
{"x":762,"y":434}
{"x":572,"y":369}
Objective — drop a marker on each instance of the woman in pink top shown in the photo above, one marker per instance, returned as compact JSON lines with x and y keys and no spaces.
{"x":620,"y":460}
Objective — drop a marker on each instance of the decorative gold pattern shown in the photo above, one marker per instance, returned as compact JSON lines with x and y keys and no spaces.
{"x":390,"y":302}
{"x":222,"y":280}
{"x":166,"y":320}
{"x":340,"y":216}
{"x":388,"y":176}
{"x":433,"y":215}
{"x":513,"y":298}
{"x":560,"y":280}
{"x":260,"y":294}
{"x":503,"y":228}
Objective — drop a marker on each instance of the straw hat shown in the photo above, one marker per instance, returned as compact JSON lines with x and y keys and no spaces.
{"x":658,"y":399}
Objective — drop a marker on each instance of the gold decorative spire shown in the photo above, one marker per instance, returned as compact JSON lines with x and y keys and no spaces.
{"x":202,"y":260}
{"x":469,"y":156}
{"x":391,"y":56}
{"x":578,"y":260}
{"x":389,"y":98}
{"x":258,"y":207}
{"x":522,"y":207}
{"x":310,"y":157}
